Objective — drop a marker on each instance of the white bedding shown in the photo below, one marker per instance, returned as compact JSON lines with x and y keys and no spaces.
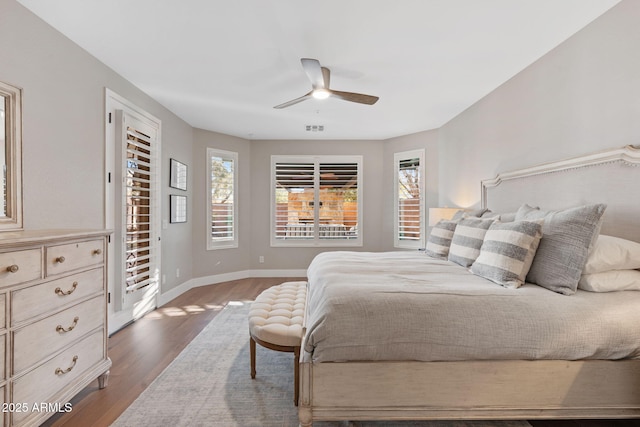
{"x":407,"y":306}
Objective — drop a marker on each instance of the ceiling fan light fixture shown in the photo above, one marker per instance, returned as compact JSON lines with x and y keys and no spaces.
{"x":320,"y":94}
{"x":320,"y":77}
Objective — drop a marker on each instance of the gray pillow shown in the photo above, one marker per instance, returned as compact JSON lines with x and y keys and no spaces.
{"x":508,"y":217}
{"x":472,"y":212}
{"x":467,"y":239}
{"x":458,"y":215}
{"x":507,"y":252}
{"x":440,"y":239}
{"x":567,"y":236}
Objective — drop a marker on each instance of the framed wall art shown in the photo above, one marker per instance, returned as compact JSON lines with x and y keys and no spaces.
{"x":178,"y":175}
{"x":177,"y":208}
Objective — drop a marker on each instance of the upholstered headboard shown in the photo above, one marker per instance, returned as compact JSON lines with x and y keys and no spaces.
{"x":611,"y":177}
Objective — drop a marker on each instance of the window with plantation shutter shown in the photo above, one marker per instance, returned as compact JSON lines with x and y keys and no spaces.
{"x":409,"y":206}
{"x":222,"y":172}
{"x":140,"y":193}
{"x":316,"y":201}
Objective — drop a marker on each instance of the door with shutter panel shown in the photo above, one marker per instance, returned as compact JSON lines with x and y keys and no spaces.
{"x":132,"y":209}
{"x":139,"y":224}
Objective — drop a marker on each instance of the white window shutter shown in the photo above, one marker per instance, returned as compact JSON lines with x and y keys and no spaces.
{"x":409,"y":206}
{"x":316,"y":201}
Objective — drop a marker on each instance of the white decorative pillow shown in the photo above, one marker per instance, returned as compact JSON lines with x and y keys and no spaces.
{"x":467,"y":239}
{"x":567,"y":237}
{"x":507,"y":252}
{"x":440,"y":239}
{"x":612,"y":253}
{"x":611,"y":281}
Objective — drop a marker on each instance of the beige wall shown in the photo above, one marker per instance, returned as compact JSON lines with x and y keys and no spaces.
{"x":583,"y":96}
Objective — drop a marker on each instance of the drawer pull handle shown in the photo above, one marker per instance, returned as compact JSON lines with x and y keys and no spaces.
{"x":60,"y":259}
{"x":60,"y":371}
{"x":97,"y":252}
{"x":13,"y":268}
{"x":60,"y":328}
{"x":60,"y":292}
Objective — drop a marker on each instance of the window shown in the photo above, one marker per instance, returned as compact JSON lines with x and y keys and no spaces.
{"x":409,"y":199}
{"x":222,"y":203}
{"x":316,"y":201}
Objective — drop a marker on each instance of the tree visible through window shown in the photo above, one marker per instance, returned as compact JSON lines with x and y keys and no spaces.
{"x":222,"y":173}
{"x":409,"y":199}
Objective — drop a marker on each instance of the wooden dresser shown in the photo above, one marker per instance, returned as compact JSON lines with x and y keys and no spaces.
{"x":53,"y":321}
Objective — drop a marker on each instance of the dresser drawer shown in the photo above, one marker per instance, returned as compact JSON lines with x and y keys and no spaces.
{"x":20,"y":266}
{"x":48,"y":297}
{"x":72,"y":256}
{"x":44,"y":337}
{"x":42,"y":383}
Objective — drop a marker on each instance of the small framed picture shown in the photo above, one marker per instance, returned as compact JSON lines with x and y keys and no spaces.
{"x":178,"y":175}
{"x":177,"y":208}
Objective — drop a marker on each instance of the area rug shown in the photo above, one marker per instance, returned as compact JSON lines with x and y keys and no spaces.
{"x":209,"y":384}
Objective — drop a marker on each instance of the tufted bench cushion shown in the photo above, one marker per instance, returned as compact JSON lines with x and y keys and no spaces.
{"x":277,"y":313}
{"x":275,"y":322}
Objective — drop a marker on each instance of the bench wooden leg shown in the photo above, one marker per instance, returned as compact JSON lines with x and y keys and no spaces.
{"x":252,"y":346}
{"x":296,"y":374}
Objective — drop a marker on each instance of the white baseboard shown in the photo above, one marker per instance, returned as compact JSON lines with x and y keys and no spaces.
{"x":166,"y":297}
{"x":278,"y":273}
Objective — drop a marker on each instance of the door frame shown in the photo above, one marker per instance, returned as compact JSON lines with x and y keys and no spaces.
{"x":120,"y":315}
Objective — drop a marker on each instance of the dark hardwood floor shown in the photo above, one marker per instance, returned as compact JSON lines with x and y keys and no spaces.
{"x":142,"y":350}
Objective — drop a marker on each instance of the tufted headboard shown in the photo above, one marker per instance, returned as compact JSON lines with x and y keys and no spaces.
{"x":611,"y":177}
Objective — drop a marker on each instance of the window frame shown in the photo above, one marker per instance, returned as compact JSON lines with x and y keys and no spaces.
{"x":397,"y":158}
{"x":221,"y":243}
{"x":317,"y":160}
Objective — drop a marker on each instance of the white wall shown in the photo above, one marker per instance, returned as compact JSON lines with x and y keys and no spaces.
{"x":255,"y":203}
{"x":427,"y":140}
{"x":208,"y":263}
{"x":63,"y":130}
{"x":583,"y":96}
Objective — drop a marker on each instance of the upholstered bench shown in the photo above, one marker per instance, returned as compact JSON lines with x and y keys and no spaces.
{"x":275,"y":322}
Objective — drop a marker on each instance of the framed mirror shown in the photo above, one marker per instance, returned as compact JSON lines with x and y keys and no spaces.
{"x":10,"y":157}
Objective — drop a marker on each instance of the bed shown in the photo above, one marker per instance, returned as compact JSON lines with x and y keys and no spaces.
{"x":541,"y":355}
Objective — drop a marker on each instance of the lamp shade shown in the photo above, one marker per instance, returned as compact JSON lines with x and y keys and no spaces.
{"x":436,"y":214}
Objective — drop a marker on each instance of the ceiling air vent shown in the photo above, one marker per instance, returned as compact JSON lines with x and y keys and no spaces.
{"x":315,"y":128}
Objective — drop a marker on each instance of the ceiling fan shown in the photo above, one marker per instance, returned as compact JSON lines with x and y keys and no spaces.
{"x":320,"y":77}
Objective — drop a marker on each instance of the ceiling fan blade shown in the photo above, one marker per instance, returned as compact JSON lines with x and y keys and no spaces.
{"x":326,"y":76}
{"x":314,"y":72}
{"x":293,"y":101}
{"x":354,"y":97}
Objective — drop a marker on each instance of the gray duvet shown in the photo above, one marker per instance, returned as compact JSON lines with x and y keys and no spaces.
{"x":407,"y":306}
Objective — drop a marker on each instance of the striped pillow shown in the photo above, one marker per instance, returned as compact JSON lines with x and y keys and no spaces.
{"x":507,"y":252}
{"x":440,"y":239}
{"x":467,"y":240}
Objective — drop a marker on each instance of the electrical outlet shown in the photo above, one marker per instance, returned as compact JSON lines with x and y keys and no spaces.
{"x":261,"y":259}
{"x":177,"y":272}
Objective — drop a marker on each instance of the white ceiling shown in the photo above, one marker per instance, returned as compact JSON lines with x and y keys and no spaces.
{"x":223,"y":65}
